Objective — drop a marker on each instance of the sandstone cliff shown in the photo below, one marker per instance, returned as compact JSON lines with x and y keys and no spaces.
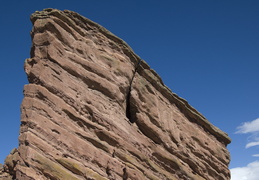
{"x":94,"y":110}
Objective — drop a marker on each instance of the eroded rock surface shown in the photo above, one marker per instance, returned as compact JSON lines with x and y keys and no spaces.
{"x":94,"y":110}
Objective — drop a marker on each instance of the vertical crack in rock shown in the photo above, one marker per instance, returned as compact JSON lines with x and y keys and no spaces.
{"x":128,"y":96}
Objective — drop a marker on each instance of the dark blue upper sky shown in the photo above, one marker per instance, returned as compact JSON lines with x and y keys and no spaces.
{"x":205,"y":51}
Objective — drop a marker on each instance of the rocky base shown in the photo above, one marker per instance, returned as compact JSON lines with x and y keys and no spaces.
{"x":8,"y":170}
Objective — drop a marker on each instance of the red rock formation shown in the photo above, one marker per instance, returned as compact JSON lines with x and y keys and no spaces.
{"x":94,"y":110}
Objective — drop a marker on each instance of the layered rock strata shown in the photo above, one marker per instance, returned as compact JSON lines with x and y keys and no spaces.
{"x":94,"y":110}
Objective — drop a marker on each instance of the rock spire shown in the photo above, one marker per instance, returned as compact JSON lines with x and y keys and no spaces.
{"x":94,"y":110}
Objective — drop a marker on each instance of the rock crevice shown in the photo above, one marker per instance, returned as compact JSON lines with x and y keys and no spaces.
{"x":93,"y":109}
{"x":129,"y":115}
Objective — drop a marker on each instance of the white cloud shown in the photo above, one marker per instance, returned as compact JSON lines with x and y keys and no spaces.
{"x":251,"y":144}
{"x":249,"y":172}
{"x":249,"y":127}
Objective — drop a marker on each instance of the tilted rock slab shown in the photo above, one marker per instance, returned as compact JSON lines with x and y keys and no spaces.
{"x":94,"y":110}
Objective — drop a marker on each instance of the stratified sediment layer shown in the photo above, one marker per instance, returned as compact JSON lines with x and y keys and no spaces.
{"x":94,"y":110}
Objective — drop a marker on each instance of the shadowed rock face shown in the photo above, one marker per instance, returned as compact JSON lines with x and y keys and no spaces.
{"x":94,"y":110}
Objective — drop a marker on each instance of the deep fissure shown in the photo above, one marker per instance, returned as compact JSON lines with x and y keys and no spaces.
{"x":128,"y":105}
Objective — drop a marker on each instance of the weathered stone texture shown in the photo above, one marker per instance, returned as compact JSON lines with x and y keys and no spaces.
{"x":94,"y":110}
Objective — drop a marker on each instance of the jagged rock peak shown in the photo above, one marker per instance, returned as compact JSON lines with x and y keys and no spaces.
{"x":94,"y":110}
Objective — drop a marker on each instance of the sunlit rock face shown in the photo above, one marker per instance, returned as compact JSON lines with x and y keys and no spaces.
{"x":94,"y":110}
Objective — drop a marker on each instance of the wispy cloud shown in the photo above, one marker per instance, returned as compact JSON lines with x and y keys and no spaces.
{"x":249,"y":172}
{"x":251,"y":144}
{"x":249,"y":127}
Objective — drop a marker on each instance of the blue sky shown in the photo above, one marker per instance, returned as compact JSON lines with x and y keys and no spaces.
{"x":205,"y":51}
